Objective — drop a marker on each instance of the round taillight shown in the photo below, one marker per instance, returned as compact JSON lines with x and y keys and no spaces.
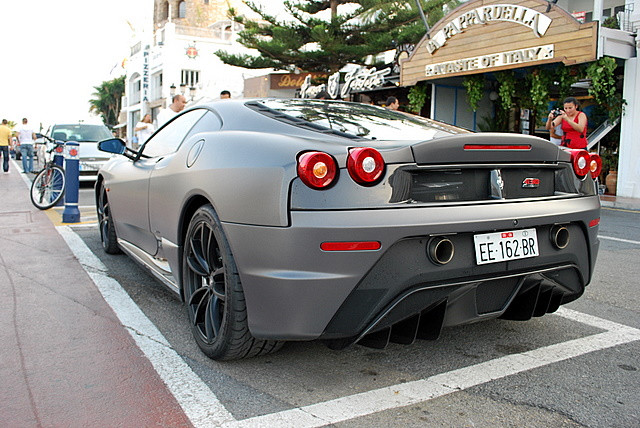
{"x":59,"y":149}
{"x":595,"y":165}
{"x":317,"y":169}
{"x":365,"y":165}
{"x":581,"y":162}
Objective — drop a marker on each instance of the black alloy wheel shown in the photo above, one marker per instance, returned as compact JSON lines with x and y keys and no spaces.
{"x":108,"y":235}
{"x":213,"y":293}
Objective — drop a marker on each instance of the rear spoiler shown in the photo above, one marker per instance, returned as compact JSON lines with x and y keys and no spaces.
{"x":487,"y":147}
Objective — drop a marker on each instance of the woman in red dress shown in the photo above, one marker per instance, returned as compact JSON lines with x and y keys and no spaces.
{"x":574,"y":125}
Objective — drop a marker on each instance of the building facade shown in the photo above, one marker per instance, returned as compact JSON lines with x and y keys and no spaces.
{"x":484,"y":37}
{"x":177,"y":55}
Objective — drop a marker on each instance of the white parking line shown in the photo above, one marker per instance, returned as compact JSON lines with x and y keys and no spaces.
{"x":204,"y":409}
{"x":197,"y":400}
{"x":611,"y":238}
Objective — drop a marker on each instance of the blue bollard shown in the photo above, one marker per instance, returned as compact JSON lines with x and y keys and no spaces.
{"x":58,"y":159}
{"x":71,"y":213}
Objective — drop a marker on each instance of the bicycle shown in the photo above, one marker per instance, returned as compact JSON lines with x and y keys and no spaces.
{"x":48,"y":186}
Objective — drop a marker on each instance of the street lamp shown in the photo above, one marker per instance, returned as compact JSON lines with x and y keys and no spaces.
{"x":183,"y":87}
{"x":192,"y":92}
{"x":172,"y":90}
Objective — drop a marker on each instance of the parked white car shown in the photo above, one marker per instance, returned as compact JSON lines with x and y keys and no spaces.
{"x":91,"y":159}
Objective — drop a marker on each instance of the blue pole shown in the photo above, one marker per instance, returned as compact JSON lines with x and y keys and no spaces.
{"x":71,"y":213}
{"x":58,"y":159}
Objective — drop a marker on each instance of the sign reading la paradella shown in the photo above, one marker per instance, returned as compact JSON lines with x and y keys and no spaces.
{"x":520,"y":56}
{"x":538,"y":22}
{"x":482,"y":36}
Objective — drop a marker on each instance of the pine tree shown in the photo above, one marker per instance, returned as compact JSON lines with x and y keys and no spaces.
{"x":315,"y":44}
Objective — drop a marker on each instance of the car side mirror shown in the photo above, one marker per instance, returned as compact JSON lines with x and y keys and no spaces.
{"x":112,"y":145}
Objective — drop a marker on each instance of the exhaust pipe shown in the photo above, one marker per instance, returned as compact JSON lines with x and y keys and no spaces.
{"x":559,"y":236}
{"x":440,"y":250}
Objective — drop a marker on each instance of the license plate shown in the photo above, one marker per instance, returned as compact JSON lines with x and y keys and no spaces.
{"x":503,"y":246}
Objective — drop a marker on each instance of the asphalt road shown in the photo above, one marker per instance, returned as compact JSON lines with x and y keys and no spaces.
{"x":565,"y":370}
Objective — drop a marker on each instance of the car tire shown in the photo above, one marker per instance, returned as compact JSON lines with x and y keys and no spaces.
{"x":108,"y":235}
{"x":213,"y":293}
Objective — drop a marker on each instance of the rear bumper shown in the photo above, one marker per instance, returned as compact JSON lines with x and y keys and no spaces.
{"x":296,"y":291}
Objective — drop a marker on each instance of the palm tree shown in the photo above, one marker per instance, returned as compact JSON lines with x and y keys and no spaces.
{"x":107,"y":100}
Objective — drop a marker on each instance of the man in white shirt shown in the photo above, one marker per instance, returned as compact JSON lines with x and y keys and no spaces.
{"x":177,"y":105}
{"x":26,"y":137}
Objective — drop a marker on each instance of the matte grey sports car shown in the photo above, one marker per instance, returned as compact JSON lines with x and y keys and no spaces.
{"x":279,"y":220}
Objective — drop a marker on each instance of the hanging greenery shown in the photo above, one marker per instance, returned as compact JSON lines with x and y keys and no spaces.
{"x":475,"y":89}
{"x":565,"y":77}
{"x":417,"y":97}
{"x":603,"y":86}
{"x":539,"y":81}
{"x":507,"y":89}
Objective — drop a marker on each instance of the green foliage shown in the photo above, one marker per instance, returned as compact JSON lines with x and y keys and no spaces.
{"x":565,"y":76}
{"x":474,"y":86}
{"x":489,"y":124}
{"x":507,"y":89}
{"x":611,"y":22}
{"x":539,"y":81}
{"x":107,"y":99}
{"x":417,"y":97}
{"x":315,"y":44}
{"x":603,"y":86}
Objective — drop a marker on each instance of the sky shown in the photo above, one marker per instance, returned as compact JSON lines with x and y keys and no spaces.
{"x":55,"y":52}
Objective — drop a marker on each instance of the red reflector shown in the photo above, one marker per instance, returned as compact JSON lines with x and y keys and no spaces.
{"x":507,"y":235}
{"x":594,"y":222}
{"x":497,"y":147}
{"x":350,"y":246}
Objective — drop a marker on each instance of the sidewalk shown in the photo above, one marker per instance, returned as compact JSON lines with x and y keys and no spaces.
{"x":612,"y":201}
{"x":65,"y":358}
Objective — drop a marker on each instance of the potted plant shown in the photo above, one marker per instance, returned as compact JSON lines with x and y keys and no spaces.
{"x":609,"y":157}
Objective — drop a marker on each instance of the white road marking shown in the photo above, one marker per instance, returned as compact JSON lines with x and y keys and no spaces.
{"x":197,"y":400}
{"x":204,"y":409}
{"x":611,"y":238}
{"x":410,"y":393}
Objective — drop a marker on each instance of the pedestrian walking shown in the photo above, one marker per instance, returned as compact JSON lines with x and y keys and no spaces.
{"x":177,"y":105}
{"x":5,"y":142}
{"x":26,"y":137}
{"x":143,"y":131}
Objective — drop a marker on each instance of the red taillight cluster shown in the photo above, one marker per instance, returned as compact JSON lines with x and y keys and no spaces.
{"x":365,"y":165}
{"x":586,"y":163}
{"x":318,"y":169}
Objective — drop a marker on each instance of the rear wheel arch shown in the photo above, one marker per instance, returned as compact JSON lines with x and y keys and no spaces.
{"x":189,"y":209}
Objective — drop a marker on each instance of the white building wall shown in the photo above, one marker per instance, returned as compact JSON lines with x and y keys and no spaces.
{"x":629,"y":153}
{"x":169,"y":57}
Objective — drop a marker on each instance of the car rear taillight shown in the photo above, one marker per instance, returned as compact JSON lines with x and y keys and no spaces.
{"x":317,"y":169}
{"x":365,"y":165}
{"x":595,"y":165}
{"x":581,"y":162}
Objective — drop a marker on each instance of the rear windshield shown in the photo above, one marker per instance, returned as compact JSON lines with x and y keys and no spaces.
{"x":80,"y":132}
{"x":359,"y":120}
